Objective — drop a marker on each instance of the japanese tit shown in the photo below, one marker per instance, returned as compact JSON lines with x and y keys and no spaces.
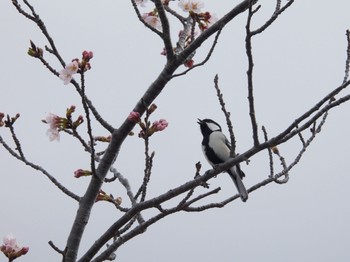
{"x":216,"y":149}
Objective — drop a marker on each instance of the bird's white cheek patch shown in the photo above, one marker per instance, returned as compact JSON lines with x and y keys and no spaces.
{"x":213,"y":127}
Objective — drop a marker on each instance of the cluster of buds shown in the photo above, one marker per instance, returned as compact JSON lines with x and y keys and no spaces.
{"x":10,"y":120}
{"x":57,"y":123}
{"x":103,"y":196}
{"x":80,"y":172}
{"x":66,"y":74}
{"x":204,"y":19}
{"x":35,"y":51}
{"x":2,"y":115}
{"x":85,"y":62}
{"x":146,"y":128}
{"x":11,"y":248}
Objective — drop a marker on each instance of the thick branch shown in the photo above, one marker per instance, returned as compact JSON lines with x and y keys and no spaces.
{"x":107,"y":160}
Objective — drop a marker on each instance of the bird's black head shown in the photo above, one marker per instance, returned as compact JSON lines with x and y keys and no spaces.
{"x":208,"y":126}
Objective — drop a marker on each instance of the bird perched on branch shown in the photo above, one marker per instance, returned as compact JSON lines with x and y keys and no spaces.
{"x":216,"y":149}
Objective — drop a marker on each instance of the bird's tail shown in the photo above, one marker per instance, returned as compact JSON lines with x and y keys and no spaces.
{"x":238,"y":183}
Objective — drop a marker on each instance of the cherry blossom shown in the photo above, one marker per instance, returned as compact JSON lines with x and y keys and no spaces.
{"x":191,"y":5}
{"x":54,"y":125}
{"x":67,"y":73}
{"x":152,"y":20}
{"x":141,"y":2}
{"x":11,"y":248}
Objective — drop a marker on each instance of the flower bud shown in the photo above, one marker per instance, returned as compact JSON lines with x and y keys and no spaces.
{"x":134,"y":116}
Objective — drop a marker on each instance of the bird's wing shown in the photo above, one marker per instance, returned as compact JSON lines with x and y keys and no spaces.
{"x":218,"y":144}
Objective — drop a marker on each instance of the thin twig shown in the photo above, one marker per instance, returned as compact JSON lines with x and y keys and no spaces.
{"x":36,"y":19}
{"x":277,"y":12}
{"x":248,"y":42}
{"x":143,"y":21}
{"x":39,"y":168}
{"x":9,"y":123}
{"x":227,"y":115}
{"x":129,"y":192}
{"x":75,"y":134}
{"x":190,"y":202}
{"x":269,"y":152}
{"x":206,"y":59}
{"x":347,"y":62}
{"x":56,"y":248}
{"x":175,"y":14}
{"x":88,"y":125}
{"x":285,"y":169}
{"x":166,"y":30}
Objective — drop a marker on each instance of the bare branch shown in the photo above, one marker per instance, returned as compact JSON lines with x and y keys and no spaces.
{"x":39,"y":168}
{"x":166,"y":29}
{"x":277,"y":12}
{"x":36,"y":19}
{"x":347,"y":62}
{"x":250,"y":77}
{"x":56,"y":248}
{"x":269,"y":152}
{"x":285,"y":168}
{"x":206,"y":58}
{"x":190,"y":202}
{"x":227,"y":115}
{"x":88,"y":124}
{"x":175,"y":14}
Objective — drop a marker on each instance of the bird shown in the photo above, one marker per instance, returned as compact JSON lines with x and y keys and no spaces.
{"x":216,"y":149}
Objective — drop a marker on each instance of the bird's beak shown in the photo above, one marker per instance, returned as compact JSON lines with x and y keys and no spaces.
{"x":199,"y":121}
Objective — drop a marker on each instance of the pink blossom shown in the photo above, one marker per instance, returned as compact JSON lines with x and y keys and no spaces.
{"x":141,"y":2}
{"x":11,"y":248}
{"x":67,"y":73}
{"x":54,"y":125}
{"x":160,"y":125}
{"x":152,"y":20}
{"x":191,"y":5}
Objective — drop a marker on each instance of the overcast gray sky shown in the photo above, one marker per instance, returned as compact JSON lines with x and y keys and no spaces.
{"x":298,"y":60}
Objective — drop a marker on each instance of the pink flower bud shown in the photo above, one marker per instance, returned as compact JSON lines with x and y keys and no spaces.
{"x":80,"y":172}
{"x":87,"y":55}
{"x":160,"y":125}
{"x":134,"y":116}
{"x":189,"y":63}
